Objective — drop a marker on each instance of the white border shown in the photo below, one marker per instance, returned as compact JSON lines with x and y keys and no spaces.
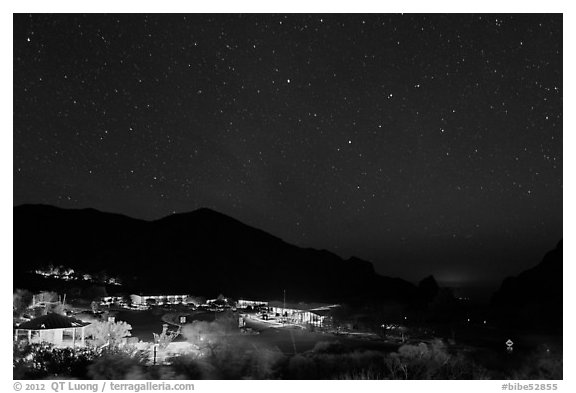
{"x":296,"y":6}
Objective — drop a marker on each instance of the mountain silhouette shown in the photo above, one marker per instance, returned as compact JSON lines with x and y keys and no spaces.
{"x":535,"y":296}
{"x":200,"y":252}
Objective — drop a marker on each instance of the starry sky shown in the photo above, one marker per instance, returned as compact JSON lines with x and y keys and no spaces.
{"x":427,"y":144}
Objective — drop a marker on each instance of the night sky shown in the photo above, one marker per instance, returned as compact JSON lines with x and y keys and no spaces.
{"x":427,"y":144}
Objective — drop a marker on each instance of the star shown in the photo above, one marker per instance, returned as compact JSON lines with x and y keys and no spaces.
{"x":250,"y":115}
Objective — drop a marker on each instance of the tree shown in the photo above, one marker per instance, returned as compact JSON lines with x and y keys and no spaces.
{"x":56,"y":308}
{"x":21,"y":300}
{"x":111,"y":333}
{"x":165,"y":338}
{"x":195,"y":300}
{"x":204,"y":335}
{"x":48,"y":302}
{"x":210,"y":336}
{"x":46,"y":297}
{"x":94,"y":306}
{"x":222,"y":301}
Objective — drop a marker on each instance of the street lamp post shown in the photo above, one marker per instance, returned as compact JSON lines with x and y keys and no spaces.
{"x":284,"y":307}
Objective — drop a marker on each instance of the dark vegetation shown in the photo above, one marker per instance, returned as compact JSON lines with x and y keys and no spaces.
{"x":232,"y":358}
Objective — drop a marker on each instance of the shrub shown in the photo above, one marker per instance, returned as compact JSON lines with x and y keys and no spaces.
{"x":429,"y":361}
{"x":328,"y":347}
{"x":111,"y":333}
{"x":36,"y":361}
{"x":117,"y":365}
{"x":543,"y":363}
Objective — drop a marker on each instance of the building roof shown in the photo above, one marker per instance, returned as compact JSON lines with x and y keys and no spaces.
{"x":159,"y":294}
{"x":253,"y":301}
{"x":312,"y":307}
{"x":52,"y":321}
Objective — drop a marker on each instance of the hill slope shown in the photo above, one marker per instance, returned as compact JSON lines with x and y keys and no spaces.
{"x":535,"y":296}
{"x":202,"y":252}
